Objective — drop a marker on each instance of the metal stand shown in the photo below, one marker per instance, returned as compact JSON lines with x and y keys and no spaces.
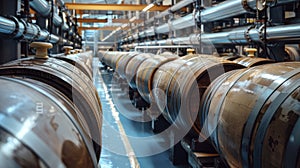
{"x":203,"y":156}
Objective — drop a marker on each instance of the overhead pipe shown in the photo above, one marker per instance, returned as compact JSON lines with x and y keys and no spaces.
{"x":223,"y":10}
{"x":244,"y":35}
{"x":174,"y":8}
{"x":61,"y":3}
{"x":284,"y":33}
{"x":232,"y":8}
{"x":181,"y":4}
{"x":159,"y":46}
{"x":65,"y":27}
{"x":19,"y":28}
{"x":181,"y":23}
{"x":57,"y":20}
{"x":43,"y":8}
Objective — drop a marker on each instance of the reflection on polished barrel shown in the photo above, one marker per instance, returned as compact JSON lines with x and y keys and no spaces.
{"x":248,"y":108}
{"x":252,"y":115}
{"x":180,"y":84}
{"x":132,"y":68}
{"x":252,"y":61}
{"x":111,"y":59}
{"x":146,"y":72}
{"x":55,"y":86}
{"x":82,"y":61}
{"x":123,"y":62}
{"x":41,"y":127}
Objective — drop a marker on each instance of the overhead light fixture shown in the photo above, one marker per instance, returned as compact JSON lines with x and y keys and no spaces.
{"x":148,"y":7}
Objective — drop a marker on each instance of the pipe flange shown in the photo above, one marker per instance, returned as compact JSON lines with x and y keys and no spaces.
{"x":48,"y":36}
{"x":194,"y":16}
{"x":170,"y":25}
{"x":25,"y":28}
{"x":247,"y":35}
{"x":38,"y":32}
{"x":261,"y":33}
{"x":247,"y":7}
{"x":15,"y":32}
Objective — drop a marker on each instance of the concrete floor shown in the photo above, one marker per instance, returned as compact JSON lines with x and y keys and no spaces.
{"x":122,"y":124}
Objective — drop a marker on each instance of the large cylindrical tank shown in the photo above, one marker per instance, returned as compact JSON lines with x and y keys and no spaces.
{"x":252,"y":116}
{"x":179,"y":86}
{"x":123,"y":62}
{"x":41,"y":127}
{"x":82,"y":61}
{"x":111,"y":59}
{"x":146,"y":72}
{"x":132,"y":68}
{"x":293,"y":53}
{"x":67,"y":79}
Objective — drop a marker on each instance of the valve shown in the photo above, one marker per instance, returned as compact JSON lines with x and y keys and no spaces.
{"x":190,"y":51}
{"x":41,"y":49}
{"x":67,"y":50}
{"x":250,"y":51}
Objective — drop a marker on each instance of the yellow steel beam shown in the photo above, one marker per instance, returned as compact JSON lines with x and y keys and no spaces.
{"x":112,"y":7}
{"x":90,"y":20}
{"x":93,"y":20}
{"x":111,"y":28}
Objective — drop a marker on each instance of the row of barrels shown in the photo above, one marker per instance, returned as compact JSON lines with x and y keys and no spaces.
{"x":248,"y":107}
{"x":50,"y":113}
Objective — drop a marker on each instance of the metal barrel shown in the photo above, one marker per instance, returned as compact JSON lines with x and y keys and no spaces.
{"x":146,"y":72}
{"x":252,"y":116}
{"x":252,"y":61}
{"x":86,"y":58}
{"x":180,"y":84}
{"x":41,"y":127}
{"x":67,"y":79}
{"x":293,"y":53}
{"x":111,"y":59}
{"x":132,"y":68}
{"x":123,"y":62}
{"x":82,"y":61}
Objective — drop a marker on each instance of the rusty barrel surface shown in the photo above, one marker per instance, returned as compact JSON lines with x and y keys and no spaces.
{"x":146,"y":72}
{"x":132,"y":67}
{"x":70,"y":81}
{"x":180,"y":84}
{"x":252,"y":61}
{"x":123,"y":62}
{"x":252,"y":116}
{"x":41,"y":127}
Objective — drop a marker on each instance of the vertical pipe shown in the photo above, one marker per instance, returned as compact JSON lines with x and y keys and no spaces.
{"x":10,"y":49}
